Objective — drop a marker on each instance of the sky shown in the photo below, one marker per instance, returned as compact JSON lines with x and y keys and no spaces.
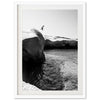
{"x":56,"y":22}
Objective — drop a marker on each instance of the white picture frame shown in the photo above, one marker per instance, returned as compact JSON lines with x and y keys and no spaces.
{"x":81,"y":7}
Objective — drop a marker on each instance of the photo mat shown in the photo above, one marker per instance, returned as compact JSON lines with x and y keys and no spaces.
{"x":62,"y":71}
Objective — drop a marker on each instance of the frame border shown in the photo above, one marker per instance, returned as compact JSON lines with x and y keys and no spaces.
{"x":84,"y":51}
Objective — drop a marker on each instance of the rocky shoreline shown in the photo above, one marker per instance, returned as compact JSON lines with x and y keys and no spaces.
{"x":58,"y":74}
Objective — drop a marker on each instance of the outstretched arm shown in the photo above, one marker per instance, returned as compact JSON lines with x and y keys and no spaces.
{"x":42,"y":27}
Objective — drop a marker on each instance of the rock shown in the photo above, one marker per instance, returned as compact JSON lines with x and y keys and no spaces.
{"x":33,"y":57}
{"x":27,"y":86}
{"x":63,"y":44}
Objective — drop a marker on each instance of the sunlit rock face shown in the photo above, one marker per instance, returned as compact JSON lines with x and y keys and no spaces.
{"x":32,"y":55}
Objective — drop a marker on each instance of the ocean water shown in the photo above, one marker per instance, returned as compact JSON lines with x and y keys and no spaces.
{"x":67,"y":54}
{"x":60,"y":70}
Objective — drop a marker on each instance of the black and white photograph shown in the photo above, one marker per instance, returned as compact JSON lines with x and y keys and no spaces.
{"x":49,"y":49}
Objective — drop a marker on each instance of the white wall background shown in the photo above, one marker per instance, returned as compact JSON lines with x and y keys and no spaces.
{"x":8,"y":48}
